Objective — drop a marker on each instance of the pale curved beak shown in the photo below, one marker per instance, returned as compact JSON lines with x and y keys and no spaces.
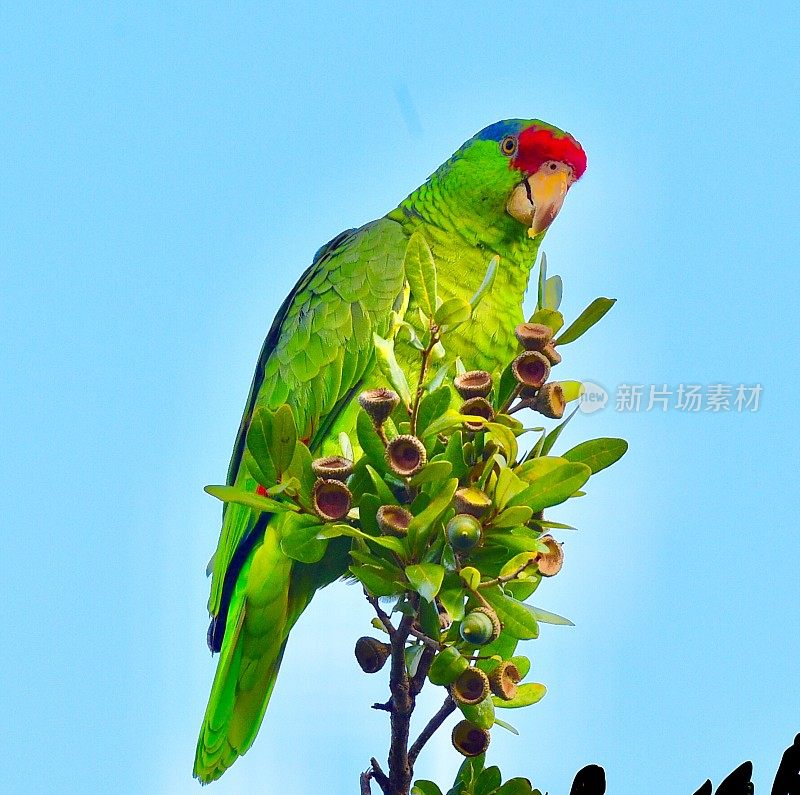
{"x":536,"y":201}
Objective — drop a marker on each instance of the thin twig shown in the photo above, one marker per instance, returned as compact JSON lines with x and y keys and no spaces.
{"x":387,"y":707}
{"x":364,"y":780}
{"x":509,"y":400}
{"x":379,"y":775}
{"x":433,"y":644}
{"x":528,"y":403}
{"x":423,"y":369}
{"x":433,"y":724}
{"x":384,"y":619}
{"x":506,"y":577}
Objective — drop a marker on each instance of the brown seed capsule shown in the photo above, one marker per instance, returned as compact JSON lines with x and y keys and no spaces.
{"x":406,"y":455}
{"x":533,"y":336}
{"x":372,"y":654}
{"x":475,"y":383}
{"x":550,"y":562}
{"x":393,"y":520}
{"x":469,"y":739}
{"x":477,"y":407}
{"x":531,"y":369}
{"x":503,"y":680}
{"x":332,"y":499}
{"x":332,"y":467}
{"x":471,"y":687}
{"x":472,"y":501}
{"x":553,"y":356}
{"x":551,"y":401}
{"x":379,"y":403}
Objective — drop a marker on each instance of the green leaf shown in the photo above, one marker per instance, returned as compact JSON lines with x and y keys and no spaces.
{"x":387,"y":542}
{"x":526,"y":695}
{"x":523,"y":665}
{"x":535,"y":468}
{"x":505,"y":439}
{"x":598,"y":454}
{"x":299,"y":538}
{"x":447,"y":666}
{"x":488,"y":781}
{"x":517,"y":786}
{"x":384,"y":493}
{"x":452,"y":595}
{"x":450,"y":419}
{"x":505,"y":387}
{"x":420,"y":525}
{"x":506,"y":726}
{"x":553,"y":289}
{"x":486,"y":284}
{"x":471,"y":576}
{"x":424,"y":787}
{"x":453,"y":312}
{"x":301,"y":469}
{"x":508,"y":486}
{"x":523,"y":589}
{"x":468,"y":772}
{"x":591,"y":315}
{"x":518,"y":621}
{"x":545,"y":617}
{"x":554,"y":487}
{"x":377,"y":581}
{"x":420,"y":271}
{"x":370,"y":442}
{"x":248,"y":498}
{"x":435,"y":470}
{"x":517,"y":562}
{"x":391,"y":369}
{"x":258,"y":444}
{"x":346,"y":446}
{"x":552,"y":437}
{"x":412,"y":655}
{"x":265,"y":474}
{"x":431,"y":407}
{"x":426,"y":579}
{"x":283,"y":439}
{"x":548,"y":317}
{"x":454,"y":453}
{"x":481,"y":714}
{"x":513,"y":516}
{"x":541,"y":281}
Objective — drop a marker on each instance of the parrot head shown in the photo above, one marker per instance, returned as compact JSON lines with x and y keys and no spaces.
{"x":520,"y":168}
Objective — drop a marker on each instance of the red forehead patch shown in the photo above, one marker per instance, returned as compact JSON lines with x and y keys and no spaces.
{"x":539,"y":144}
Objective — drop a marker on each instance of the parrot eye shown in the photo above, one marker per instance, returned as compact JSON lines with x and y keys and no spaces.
{"x":508,"y":145}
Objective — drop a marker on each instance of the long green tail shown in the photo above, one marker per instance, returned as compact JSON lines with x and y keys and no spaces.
{"x":252,"y":649}
{"x":271,"y":593}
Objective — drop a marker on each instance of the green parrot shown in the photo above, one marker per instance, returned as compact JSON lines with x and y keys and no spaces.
{"x":496,"y":195}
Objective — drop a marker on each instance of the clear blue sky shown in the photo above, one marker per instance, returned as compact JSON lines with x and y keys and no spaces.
{"x":167,"y":170}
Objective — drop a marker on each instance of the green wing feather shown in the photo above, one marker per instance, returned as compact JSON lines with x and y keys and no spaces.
{"x":316,"y":356}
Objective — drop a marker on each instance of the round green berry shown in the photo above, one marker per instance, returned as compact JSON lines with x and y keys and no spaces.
{"x":477,"y":628}
{"x":463,"y":532}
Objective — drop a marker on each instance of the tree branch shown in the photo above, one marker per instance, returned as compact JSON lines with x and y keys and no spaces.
{"x":433,"y":644}
{"x":433,"y":724}
{"x":379,"y":776}
{"x":364,"y":780}
{"x":402,"y":707}
{"x":382,"y":617}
